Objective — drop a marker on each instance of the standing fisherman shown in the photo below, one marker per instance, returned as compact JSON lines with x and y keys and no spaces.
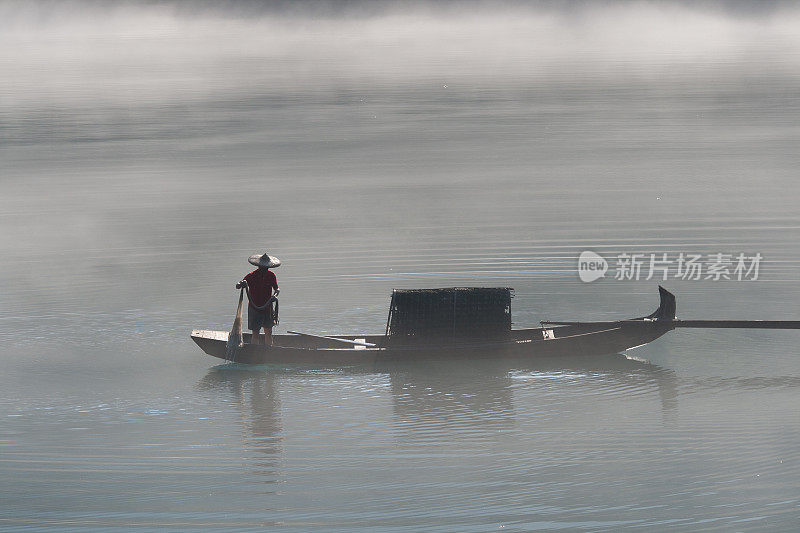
{"x":260,"y":284}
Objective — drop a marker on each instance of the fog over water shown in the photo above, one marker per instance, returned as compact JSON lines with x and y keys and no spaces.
{"x":148,"y":148}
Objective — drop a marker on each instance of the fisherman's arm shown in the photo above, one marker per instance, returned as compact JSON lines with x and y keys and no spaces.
{"x":275,"y":290}
{"x":245,"y":283}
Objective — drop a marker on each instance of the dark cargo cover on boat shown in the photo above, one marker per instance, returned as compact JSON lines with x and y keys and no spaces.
{"x":457,"y":312}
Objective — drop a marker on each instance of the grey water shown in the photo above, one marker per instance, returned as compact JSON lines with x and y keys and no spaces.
{"x":147,"y":149}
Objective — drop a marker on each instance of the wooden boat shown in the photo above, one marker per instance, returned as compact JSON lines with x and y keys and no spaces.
{"x":550,"y":340}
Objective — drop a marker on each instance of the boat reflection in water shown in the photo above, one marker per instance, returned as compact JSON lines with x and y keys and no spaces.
{"x":481,"y":394}
{"x":436,"y":399}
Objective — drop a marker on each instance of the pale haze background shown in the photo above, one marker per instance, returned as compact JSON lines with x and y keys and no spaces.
{"x":147,"y":148}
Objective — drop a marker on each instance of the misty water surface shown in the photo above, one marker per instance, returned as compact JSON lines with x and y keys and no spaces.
{"x":147,"y":149}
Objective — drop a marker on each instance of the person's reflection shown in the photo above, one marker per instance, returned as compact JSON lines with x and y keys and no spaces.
{"x":256,"y":394}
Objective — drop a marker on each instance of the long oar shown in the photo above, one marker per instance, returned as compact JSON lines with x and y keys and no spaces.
{"x":337,"y":339}
{"x":744,"y":324}
{"x":728,"y":324}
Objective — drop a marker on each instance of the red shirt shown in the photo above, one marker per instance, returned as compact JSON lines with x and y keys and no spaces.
{"x":260,"y":283}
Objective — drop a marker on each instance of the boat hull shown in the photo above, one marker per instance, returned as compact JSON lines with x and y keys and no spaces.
{"x":578,"y":340}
